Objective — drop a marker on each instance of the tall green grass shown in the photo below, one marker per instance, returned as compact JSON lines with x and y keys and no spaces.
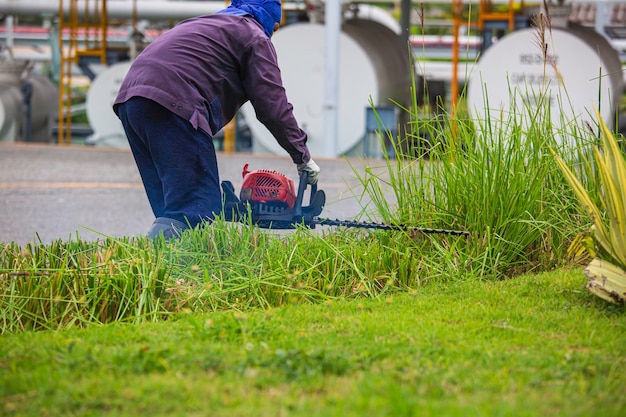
{"x":495,"y":178}
{"x":65,"y":284}
{"x":224,"y":266}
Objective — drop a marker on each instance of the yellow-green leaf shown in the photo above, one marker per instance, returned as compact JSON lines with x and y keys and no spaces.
{"x":607,"y":281}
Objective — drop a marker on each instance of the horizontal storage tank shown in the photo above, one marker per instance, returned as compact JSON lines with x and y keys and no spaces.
{"x":108,"y":130}
{"x":28,"y":104}
{"x":11,"y":110}
{"x":582,"y":73}
{"x":10,"y":113}
{"x":374,"y":66}
{"x":44,"y":103}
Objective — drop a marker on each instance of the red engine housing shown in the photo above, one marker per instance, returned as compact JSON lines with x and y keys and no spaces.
{"x":267,"y":186}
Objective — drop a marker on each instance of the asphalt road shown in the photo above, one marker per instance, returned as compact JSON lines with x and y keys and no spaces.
{"x":50,"y":192}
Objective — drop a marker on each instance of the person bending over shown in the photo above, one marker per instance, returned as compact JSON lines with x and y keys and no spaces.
{"x":183,"y":88}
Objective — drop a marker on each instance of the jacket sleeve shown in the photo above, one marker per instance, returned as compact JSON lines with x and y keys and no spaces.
{"x":264,"y":87}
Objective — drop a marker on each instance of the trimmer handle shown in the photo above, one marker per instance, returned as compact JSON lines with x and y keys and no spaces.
{"x":297,"y":208}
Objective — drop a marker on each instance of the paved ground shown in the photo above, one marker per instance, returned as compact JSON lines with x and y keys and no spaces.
{"x":50,"y":192}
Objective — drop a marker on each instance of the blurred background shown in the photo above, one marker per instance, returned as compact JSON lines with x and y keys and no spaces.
{"x":61,"y":62}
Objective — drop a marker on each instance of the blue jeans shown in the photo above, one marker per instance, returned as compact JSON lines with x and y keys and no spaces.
{"x":177,"y":163}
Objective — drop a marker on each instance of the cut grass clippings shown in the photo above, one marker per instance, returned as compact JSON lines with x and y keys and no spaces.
{"x":537,"y":345}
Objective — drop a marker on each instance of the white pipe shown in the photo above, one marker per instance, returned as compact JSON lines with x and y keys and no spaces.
{"x":603,"y":18}
{"x":123,"y":9}
{"x":9,"y":29}
{"x":146,"y":9}
{"x":332,"y":17}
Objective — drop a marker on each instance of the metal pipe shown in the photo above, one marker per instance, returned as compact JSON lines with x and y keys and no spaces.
{"x":9,"y":25}
{"x":332,"y":15}
{"x":123,"y":9}
{"x":146,"y":9}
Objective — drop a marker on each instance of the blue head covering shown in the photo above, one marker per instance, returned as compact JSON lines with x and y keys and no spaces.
{"x":266,"y":12}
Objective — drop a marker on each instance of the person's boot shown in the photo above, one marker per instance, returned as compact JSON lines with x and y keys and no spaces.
{"x":169,"y":228}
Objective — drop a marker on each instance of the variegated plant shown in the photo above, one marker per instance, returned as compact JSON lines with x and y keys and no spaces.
{"x":607,"y":272}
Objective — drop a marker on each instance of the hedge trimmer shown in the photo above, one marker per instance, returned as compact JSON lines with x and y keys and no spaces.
{"x":269,"y":198}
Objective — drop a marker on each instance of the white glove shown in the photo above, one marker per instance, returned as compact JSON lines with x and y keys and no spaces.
{"x":311,"y":169}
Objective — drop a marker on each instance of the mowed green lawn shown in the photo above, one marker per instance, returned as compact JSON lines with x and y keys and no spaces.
{"x":538,"y":345}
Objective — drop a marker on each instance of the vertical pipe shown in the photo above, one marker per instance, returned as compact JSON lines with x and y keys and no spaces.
{"x":230,"y":136}
{"x":332,"y":17}
{"x":603,"y":17}
{"x":405,"y":21}
{"x":457,"y":11}
{"x":9,"y":40}
{"x":104,"y":25}
{"x":62,"y":88}
{"x":133,"y":49}
{"x":230,"y":130}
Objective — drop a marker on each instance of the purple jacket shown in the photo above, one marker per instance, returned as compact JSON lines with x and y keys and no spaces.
{"x":205,"y":68}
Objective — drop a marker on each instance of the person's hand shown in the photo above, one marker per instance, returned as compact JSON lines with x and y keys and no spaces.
{"x":311,"y":170}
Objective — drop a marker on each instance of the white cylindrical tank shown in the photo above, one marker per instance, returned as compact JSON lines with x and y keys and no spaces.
{"x":28,"y":104}
{"x":373,"y":68}
{"x":612,"y":66}
{"x":300,"y":49}
{"x":582,"y":73}
{"x":11,"y":73}
{"x":388,"y":55}
{"x":10,"y":113}
{"x":44,"y":104}
{"x":108,"y":130}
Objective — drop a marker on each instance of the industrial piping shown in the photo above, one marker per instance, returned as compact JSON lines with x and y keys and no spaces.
{"x":146,"y":9}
